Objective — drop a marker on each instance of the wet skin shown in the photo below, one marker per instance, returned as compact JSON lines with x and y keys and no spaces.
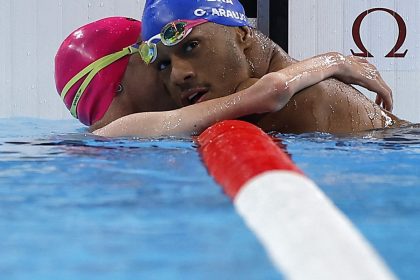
{"x":215,"y":61}
{"x":142,"y":92}
{"x":329,"y":106}
{"x":196,"y":70}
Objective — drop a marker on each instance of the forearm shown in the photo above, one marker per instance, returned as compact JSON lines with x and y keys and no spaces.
{"x":185,"y":121}
{"x":301,"y":74}
{"x":308,"y":72}
{"x":349,"y":70}
{"x":275,"y":89}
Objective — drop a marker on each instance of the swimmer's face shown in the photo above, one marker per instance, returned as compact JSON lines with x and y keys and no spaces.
{"x":142,"y":91}
{"x":209,"y":63}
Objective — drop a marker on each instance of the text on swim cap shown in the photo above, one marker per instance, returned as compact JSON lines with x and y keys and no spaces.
{"x":220,"y":12}
{"x":223,"y":1}
{"x":228,"y":14}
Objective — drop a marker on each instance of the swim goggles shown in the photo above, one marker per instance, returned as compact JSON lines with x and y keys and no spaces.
{"x":91,"y":70}
{"x":171,"y":34}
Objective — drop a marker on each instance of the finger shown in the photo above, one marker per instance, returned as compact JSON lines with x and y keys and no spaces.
{"x":378,"y":85}
{"x":388,"y":100}
{"x":380,"y":102}
{"x":384,"y":84}
{"x":374,"y":82}
{"x":378,"y":99}
{"x":384,"y":97}
{"x":383,"y":92}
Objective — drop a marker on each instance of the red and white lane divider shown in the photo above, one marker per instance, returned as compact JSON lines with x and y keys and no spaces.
{"x":305,"y":235}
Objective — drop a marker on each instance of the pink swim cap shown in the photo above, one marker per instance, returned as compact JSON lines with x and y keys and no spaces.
{"x":97,"y":55}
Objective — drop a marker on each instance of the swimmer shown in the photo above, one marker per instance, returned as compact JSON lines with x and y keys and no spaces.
{"x":206,"y":49}
{"x":120,"y":87}
{"x":105,"y":84}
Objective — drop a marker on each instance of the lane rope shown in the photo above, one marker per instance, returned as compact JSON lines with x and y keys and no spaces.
{"x":305,"y":235}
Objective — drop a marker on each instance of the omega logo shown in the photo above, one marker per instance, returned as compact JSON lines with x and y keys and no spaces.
{"x":400,"y":40}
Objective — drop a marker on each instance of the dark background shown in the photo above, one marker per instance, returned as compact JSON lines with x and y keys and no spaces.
{"x":279,"y":20}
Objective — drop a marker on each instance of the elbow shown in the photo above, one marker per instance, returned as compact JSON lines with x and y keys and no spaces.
{"x":277,"y":91}
{"x":278,"y":82}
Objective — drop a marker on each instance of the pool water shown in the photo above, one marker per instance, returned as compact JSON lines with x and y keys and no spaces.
{"x":374,"y":178}
{"x":75,"y":206}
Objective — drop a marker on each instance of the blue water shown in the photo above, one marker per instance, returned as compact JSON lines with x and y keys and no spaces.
{"x":73,"y":206}
{"x":374,"y":178}
{"x":77,"y":207}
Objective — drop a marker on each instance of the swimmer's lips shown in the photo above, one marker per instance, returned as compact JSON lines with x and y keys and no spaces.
{"x":192,"y":96}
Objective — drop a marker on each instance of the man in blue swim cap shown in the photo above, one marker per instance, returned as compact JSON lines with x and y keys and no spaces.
{"x":206,"y":49}
{"x":124,"y":97}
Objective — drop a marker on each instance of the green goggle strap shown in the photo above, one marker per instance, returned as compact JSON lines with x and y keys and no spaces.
{"x":92,"y":69}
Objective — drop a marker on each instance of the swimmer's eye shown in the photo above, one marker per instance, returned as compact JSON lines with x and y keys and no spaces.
{"x":190,"y":46}
{"x":163,"y":65}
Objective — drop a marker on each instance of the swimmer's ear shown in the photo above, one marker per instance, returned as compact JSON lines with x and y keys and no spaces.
{"x":244,"y":36}
{"x":119,"y":89}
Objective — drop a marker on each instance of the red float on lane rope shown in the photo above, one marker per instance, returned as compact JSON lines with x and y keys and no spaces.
{"x":305,"y":235}
{"x":235,"y":151}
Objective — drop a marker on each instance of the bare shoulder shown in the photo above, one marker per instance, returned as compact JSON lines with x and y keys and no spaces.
{"x":279,"y":59}
{"x":329,"y":106}
{"x":265,"y":56}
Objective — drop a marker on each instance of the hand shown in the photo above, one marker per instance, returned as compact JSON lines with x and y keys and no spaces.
{"x":357,"y":70}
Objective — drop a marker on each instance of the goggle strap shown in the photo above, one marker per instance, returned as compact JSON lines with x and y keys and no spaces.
{"x":150,"y":46}
{"x":92,"y":69}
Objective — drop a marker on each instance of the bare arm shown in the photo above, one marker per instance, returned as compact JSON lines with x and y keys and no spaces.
{"x":269,"y":94}
{"x":370,"y":78}
{"x":185,"y":121}
{"x":347,"y":69}
{"x":331,"y":105}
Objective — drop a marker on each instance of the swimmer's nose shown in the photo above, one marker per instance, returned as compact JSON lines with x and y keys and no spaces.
{"x":182,"y":72}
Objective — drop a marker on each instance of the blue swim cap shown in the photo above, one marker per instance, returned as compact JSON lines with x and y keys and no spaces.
{"x":158,"y":13}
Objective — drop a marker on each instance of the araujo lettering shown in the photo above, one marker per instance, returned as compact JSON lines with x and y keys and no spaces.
{"x":200,"y":12}
{"x":227,"y":13}
{"x":223,"y":1}
{"x":401,"y":36}
{"x":220,"y":12}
